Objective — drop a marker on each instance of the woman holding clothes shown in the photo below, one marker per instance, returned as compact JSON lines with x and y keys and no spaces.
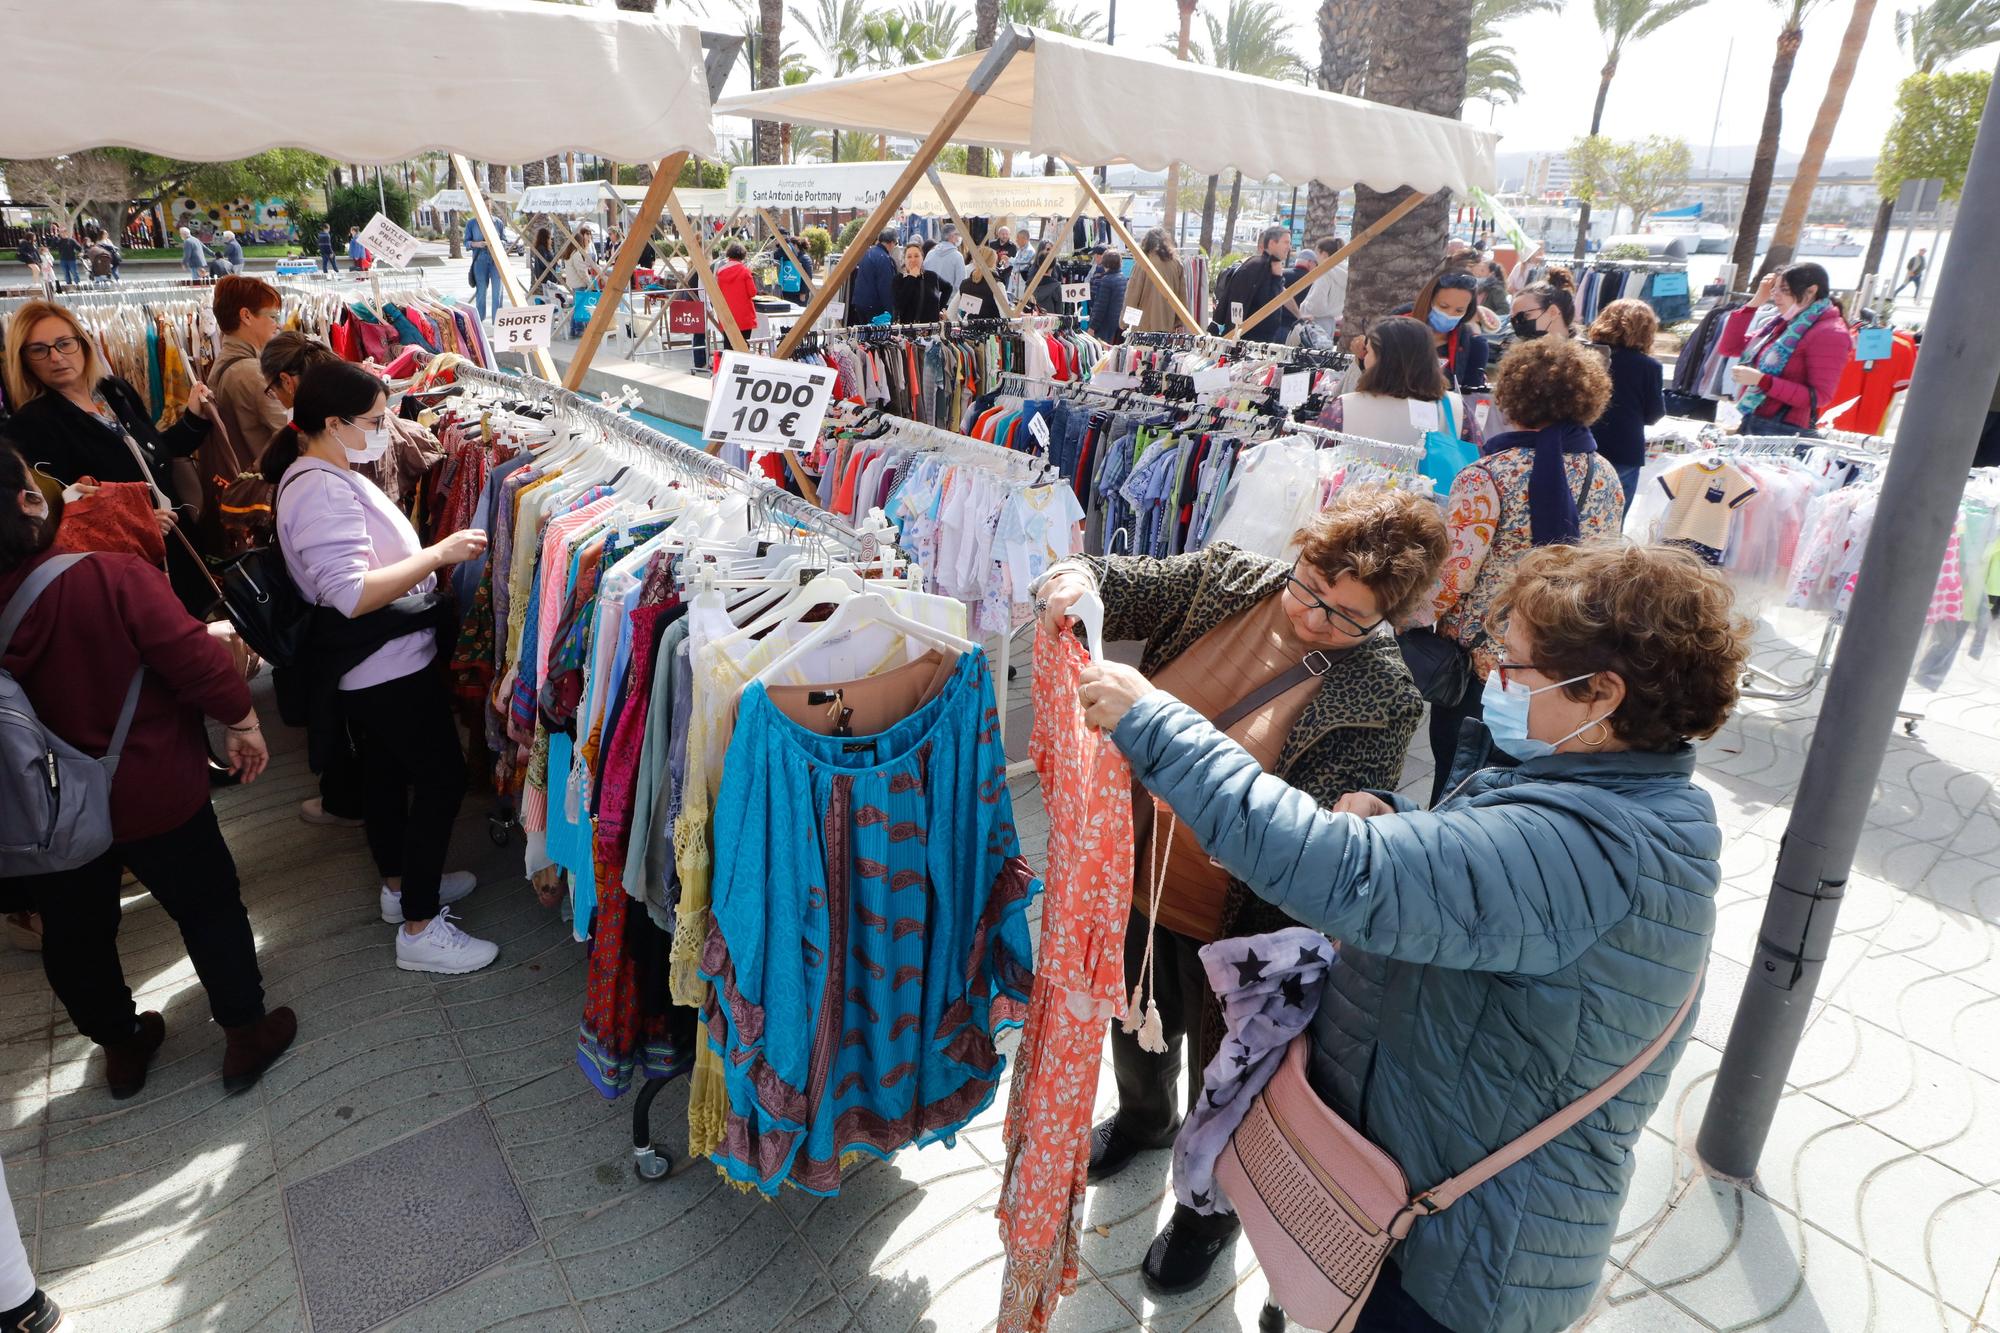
{"x":1539,"y":484}
{"x":1533,"y":933}
{"x":1793,"y":344}
{"x":349,"y":549}
{"x":74,"y":648}
{"x":1292,"y":659}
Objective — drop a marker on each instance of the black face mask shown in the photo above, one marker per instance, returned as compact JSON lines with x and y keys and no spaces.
{"x":1524,"y":325}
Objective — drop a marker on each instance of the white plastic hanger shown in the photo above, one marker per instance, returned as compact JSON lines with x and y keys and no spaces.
{"x":1089,"y":612}
{"x":868,"y":608}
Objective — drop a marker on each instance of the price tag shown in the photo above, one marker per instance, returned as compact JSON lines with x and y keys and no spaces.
{"x":1875,"y":344}
{"x":1039,"y":428}
{"x":517,"y":327}
{"x":1292,"y":388}
{"x":760,"y":402}
{"x":1727,"y":414}
{"x":389,"y":243}
{"x":836,"y":310}
{"x":1670,"y":284}
{"x":1075,"y":293}
{"x":1130,"y":319}
{"x":1211,"y":381}
{"x":1113,"y":379}
{"x":1235,"y":313}
{"x":969,"y":304}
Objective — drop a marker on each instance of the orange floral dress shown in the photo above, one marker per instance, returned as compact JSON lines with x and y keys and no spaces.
{"x":1079,"y":984}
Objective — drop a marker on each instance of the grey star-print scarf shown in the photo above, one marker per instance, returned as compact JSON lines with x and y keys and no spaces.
{"x":1269,"y":987}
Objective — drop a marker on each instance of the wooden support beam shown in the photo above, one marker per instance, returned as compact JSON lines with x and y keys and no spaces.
{"x":1011,"y":42}
{"x":786,"y":246}
{"x":496,"y":250}
{"x":1375,"y":228}
{"x":1054,"y":247}
{"x":620,"y":278}
{"x":718,"y":304}
{"x":1139,"y":257}
{"x":979,"y":270}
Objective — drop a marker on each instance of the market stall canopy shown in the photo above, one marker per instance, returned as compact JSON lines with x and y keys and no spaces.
{"x":369,"y":81}
{"x":587,"y":199}
{"x":1098,"y":105}
{"x":455,"y":201}
{"x":863,"y":185}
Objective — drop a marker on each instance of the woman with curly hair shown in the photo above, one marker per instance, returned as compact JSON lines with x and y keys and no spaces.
{"x":1627,"y":328}
{"x":1541,"y":483}
{"x":1500,"y":956}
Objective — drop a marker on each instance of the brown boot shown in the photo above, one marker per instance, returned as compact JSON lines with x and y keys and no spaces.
{"x":254,"y":1046}
{"x":125,"y":1062}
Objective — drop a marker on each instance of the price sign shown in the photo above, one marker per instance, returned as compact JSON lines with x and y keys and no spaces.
{"x":836,"y":310}
{"x":519,"y":327}
{"x":1292,"y":388}
{"x":1670,"y":284}
{"x":684,"y":316}
{"x":1209,"y":381}
{"x":389,"y":243}
{"x":969,"y":304}
{"x":1039,"y":428}
{"x":1075,"y":293}
{"x":1875,"y":344}
{"x":1133,"y":314}
{"x":1235,"y":313}
{"x":760,"y":402}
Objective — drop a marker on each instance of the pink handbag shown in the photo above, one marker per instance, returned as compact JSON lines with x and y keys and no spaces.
{"x":1322,"y":1207}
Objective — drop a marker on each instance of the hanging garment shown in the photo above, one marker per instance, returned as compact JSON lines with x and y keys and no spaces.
{"x":859,"y":966}
{"x":1079,"y":984}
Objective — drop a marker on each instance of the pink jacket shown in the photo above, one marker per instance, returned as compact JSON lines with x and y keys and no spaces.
{"x":1816,"y":363}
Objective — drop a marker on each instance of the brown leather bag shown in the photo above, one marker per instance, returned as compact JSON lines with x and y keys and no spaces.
{"x":1322,"y":1206}
{"x":244,"y":516}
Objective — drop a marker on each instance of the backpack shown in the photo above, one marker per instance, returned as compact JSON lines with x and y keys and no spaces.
{"x":55,"y":800}
{"x":102,"y":262}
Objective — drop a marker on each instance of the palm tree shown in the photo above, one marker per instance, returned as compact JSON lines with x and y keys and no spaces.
{"x":1623,"y":22}
{"x":1417,"y":59}
{"x":837,"y":28}
{"x":1492,"y":75}
{"x":770,"y":60}
{"x":1170,"y":201}
{"x":1053,"y":16}
{"x":1792,"y":218}
{"x":1764,"y":166}
{"x":795,"y":72}
{"x":1937,"y":34}
{"x":944,"y":20}
{"x":1251,"y":37}
{"x":985,"y":28}
{"x":856,"y":146}
{"x":1343,"y":68}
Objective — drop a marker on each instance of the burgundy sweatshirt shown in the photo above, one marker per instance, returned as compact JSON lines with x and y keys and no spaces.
{"x":75,"y":655}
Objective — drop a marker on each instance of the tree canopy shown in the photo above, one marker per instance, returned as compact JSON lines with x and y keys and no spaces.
{"x":1937,"y":118}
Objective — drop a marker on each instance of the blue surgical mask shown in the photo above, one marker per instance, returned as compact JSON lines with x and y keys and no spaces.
{"x":1443,"y":321}
{"x":1504,"y":710}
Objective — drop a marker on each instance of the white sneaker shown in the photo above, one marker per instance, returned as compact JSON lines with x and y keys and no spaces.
{"x":442,"y":947}
{"x":455,"y":885}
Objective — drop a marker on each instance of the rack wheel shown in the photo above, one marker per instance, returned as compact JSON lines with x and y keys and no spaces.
{"x":650,"y":1164}
{"x":499,"y":829}
{"x":1909,"y":726}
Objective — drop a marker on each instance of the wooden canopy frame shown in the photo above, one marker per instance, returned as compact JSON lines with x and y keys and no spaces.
{"x":1011,"y":42}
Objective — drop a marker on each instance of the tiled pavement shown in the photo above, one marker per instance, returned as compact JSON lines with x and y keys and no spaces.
{"x":1878,"y":1207}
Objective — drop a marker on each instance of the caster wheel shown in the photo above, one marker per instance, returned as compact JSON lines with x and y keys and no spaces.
{"x":499,"y":830}
{"x":649,"y":1164}
{"x":1910,"y":727}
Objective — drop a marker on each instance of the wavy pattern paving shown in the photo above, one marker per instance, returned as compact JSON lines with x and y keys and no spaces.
{"x":1878,"y":1208}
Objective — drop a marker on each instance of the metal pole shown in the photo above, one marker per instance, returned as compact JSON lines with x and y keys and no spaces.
{"x":1920,"y":493}
{"x":381,"y":200}
{"x":1716,"y":129}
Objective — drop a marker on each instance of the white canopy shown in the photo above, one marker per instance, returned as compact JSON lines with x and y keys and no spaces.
{"x":864,"y":184}
{"x":1098,"y":105}
{"x":587,"y":199}
{"x":455,"y":201}
{"x":366,"y":81}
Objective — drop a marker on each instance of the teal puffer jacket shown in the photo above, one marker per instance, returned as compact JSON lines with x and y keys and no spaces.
{"x":1538,"y":930}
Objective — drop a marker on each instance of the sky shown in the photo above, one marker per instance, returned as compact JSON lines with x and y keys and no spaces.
{"x":1668,"y":84}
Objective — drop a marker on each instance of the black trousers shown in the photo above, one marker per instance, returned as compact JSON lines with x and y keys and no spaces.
{"x":1445,"y":720}
{"x":342,"y":786}
{"x":191,"y":874}
{"x":1146,"y":1079}
{"x":413,"y":779}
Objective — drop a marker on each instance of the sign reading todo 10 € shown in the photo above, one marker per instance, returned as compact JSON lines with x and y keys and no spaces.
{"x":763,"y":403}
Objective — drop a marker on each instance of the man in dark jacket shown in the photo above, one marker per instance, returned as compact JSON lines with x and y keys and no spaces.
{"x":874,"y":287}
{"x":1253,"y":282}
{"x":1107,"y":296}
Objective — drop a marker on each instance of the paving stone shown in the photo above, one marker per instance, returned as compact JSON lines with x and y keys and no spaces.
{"x":522,"y":1293}
{"x":750,"y":1278}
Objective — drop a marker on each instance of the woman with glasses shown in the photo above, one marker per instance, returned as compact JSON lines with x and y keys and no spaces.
{"x":73,"y":418}
{"x":349,"y":549}
{"x":1502,"y":954}
{"x":1296,"y":661}
{"x":1541,"y":482}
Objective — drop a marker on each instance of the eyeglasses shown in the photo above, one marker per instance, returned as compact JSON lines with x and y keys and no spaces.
{"x":376,"y":422}
{"x":274,"y":315}
{"x":43,"y":351}
{"x":1298,"y":588}
{"x":1510,"y":674}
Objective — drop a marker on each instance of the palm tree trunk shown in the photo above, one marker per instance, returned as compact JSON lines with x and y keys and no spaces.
{"x":1792,"y":218}
{"x":1208,"y":215}
{"x":985,"y":27}
{"x":770,"y":36}
{"x":454,"y":229}
{"x":1235,"y":207}
{"x":1417,"y":60}
{"x":1878,"y":239}
{"x":1758,"y":192}
{"x":1610,"y":71}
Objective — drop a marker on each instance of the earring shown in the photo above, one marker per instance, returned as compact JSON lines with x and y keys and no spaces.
{"x":1604,"y":734}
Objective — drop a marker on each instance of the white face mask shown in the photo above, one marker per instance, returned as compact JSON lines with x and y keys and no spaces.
{"x":374,"y":443}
